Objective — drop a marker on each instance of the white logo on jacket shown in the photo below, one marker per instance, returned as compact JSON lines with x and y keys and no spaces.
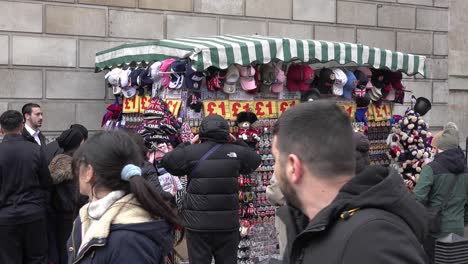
{"x":232,"y":155}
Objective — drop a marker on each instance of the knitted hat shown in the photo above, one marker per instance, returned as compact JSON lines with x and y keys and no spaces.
{"x":70,"y":139}
{"x":448,"y":139}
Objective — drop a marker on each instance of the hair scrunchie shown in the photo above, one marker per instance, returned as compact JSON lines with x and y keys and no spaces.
{"x":129,"y":171}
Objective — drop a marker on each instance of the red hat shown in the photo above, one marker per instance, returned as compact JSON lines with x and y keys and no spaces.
{"x":395,"y":80}
{"x":299,"y":77}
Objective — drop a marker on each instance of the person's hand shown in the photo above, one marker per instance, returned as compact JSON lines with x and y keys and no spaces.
{"x":150,"y":157}
{"x":409,"y":184}
{"x":232,"y":138}
{"x":195,"y":140}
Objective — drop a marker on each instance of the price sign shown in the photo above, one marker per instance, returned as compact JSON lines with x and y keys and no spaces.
{"x":173,"y":105}
{"x":131,"y":105}
{"x":265,"y":109}
{"x":381,"y":112}
{"x":285,"y":105}
{"x":369,"y":114}
{"x":239,"y":106}
{"x":144,"y":102}
{"x":350,"y":109}
{"x":220,"y":107}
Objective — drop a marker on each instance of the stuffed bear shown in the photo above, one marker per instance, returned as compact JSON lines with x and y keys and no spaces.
{"x":246,"y":131}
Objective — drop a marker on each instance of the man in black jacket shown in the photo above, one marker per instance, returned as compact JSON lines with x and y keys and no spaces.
{"x":210,"y":211}
{"x":32,"y":115}
{"x":24,"y":180}
{"x":331,"y":215}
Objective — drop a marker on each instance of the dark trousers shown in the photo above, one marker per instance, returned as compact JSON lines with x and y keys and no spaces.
{"x":429,"y":248}
{"x":203,"y":246}
{"x":24,"y":243}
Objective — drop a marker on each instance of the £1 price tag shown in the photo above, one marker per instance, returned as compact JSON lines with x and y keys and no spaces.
{"x":266,"y":109}
{"x":284,"y":105}
{"x":381,"y":112}
{"x":239,"y":106}
{"x":144,"y":102}
{"x":218,"y":107}
{"x":131,"y":105}
{"x":350,"y":109}
{"x":173,"y":105}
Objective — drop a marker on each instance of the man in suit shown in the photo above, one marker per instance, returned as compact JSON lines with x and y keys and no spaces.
{"x":33,"y":115}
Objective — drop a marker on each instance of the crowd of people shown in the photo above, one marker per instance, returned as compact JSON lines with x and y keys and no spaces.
{"x":100,"y":200}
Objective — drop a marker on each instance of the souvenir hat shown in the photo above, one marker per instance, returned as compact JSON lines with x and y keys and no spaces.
{"x":375,"y":94}
{"x":144,"y":79}
{"x":268,"y":76}
{"x":154,"y":70}
{"x":340,"y":81}
{"x":378,"y":78}
{"x":193,"y":79}
{"x":129,"y":92}
{"x":350,"y":85}
{"x":361,"y":79}
{"x":310,"y":95}
{"x":232,"y":77}
{"x":165,"y":67}
{"x":299,"y":77}
{"x":368,"y":74}
{"x":326,"y":81}
{"x":395,"y":80}
{"x":133,"y":76}
{"x":113,"y":78}
{"x":422,"y":106}
{"x":124,"y":82}
{"x":278,"y":83}
{"x":215,"y":79}
{"x":177,"y":75}
{"x":247,"y":79}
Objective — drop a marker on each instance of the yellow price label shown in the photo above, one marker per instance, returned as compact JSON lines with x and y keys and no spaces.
{"x":239,"y":106}
{"x":144,"y":102}
{"x":284,"y":105}
{"x":219,"y":107}
{"x":350,"y":109}
{"x":381,"y":112}
{"x":131,"y":105}
{"x":265,"y":109}
{"x":173,"y":105}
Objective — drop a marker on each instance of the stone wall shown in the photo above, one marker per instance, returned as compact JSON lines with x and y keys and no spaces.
{"x":49,"y":46}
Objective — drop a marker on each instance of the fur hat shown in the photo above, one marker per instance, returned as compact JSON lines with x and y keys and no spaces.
{"x":447,"y":139}
{"x":246,"y":117}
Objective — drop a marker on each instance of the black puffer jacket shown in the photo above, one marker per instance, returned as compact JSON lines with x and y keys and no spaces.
{"x":373,"y":219}
{"x":212,"y":201}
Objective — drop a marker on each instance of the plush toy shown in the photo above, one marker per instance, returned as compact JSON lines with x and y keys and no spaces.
{"x":247,"y":132}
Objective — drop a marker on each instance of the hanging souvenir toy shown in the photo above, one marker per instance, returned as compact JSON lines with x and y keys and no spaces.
{"x":246,"y":131}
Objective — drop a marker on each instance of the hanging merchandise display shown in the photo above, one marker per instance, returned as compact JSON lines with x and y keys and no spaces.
{"x":163,"y":89}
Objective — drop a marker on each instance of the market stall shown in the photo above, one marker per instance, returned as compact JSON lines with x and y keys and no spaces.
{"x":164,"y":88}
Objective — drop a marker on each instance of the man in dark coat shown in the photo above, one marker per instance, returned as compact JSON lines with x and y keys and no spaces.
{"x":210,"y":211}
{"x":24,"y":182}
{"x":333,"y":216}
{"x":32,"y":115}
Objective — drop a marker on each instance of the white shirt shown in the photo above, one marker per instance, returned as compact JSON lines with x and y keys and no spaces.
{"x":33,"y":133}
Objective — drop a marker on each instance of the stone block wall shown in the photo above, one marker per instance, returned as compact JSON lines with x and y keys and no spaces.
{"x":49,"y":46}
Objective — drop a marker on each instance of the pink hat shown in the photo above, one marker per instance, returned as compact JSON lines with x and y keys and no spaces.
{"x":278,"y":84}
{"x":247,"y":79}
{"x":166,"y":77}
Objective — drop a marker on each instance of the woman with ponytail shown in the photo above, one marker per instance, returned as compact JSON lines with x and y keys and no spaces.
{"x":126,"y":220}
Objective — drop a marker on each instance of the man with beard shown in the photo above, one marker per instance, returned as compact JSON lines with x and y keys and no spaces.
{"x":333,"y":215}
{"x":32,"y":115}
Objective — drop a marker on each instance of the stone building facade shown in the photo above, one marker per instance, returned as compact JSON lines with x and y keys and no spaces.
{"x":49,"y":46}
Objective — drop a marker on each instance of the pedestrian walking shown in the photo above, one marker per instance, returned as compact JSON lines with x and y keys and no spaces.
{"x":126,"y":220}
{"x":333,"y":215}
{"x":213,"y":162}
{"x":24,"y":184}
{"x":443,"y":184}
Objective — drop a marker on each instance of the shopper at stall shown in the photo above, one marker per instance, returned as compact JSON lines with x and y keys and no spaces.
{"x":333,"y":216}
{"x":362,"y":144}
{"x":126,"y":221}
{"x":24,"y":183}
{"x":63,"y":199}
{"x":33,"y":115}
{"x":211,"y":207}
{"x":53,"y":149}
{"x":443,"y":179}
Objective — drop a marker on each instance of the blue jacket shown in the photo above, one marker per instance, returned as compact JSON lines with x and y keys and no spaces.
{"x":126,"y":233}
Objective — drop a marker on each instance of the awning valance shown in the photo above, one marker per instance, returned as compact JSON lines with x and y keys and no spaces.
{"x":221,"y":51}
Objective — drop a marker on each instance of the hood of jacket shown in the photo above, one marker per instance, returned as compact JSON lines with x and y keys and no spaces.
{"x":450,"y":161}
{"x":124,"y":214}
{"x":60,"y":168}
{"x":379,"y":188}
{"x":214,"y":128}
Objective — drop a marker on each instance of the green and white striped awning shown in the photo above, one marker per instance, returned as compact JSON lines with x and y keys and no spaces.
{"x":222,"y":51}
